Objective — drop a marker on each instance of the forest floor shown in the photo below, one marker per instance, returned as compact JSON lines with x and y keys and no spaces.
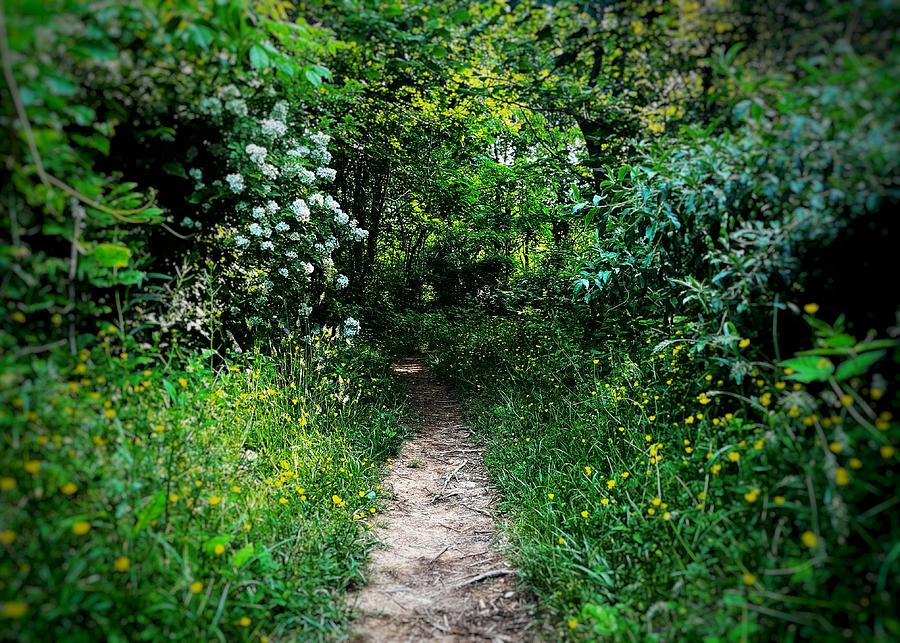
{"x":438,"y":573}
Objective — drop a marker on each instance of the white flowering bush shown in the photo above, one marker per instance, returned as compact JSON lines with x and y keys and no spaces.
{"x":278,"y":230}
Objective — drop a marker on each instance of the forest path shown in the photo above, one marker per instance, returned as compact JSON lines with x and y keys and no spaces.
{"x":438,"y":574}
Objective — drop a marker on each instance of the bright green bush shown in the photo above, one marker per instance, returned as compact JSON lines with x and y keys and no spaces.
{"x":718,"y":223}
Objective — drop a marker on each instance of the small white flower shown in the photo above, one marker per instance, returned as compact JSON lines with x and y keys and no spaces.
{"x":237,"y":106}
{"x":282,"y":227}
{"x":258,"y":212}
{"x":256,"y":230}
{"x":306,"y":176}
{"x":267,"y":245}
{"x":271,"y":207}
{"x":351,"y":327}
{"x":317,"y":199}
{"x":300,"y":210}
{"x":326,"y":173}
{"x":321,"y":156}
{"x":341,"y":218}
{"x":341,"y":281}
{"x":320,"y":139}
{"x":308,"y":268}
{"x":211,"y":106}
{"x":269,"y":171}
{"x":229,"y":91}
{"x":273,"y":128}
{"x":241,"y":242}
{"x":235,"y":182}
{"x":283,"y":272}
{"x":257,"y":153}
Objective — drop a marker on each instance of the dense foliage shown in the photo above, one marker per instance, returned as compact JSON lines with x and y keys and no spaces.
{"x":651,"y":242}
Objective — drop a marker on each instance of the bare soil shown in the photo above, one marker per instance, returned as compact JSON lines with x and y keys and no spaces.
{"x":438,"y":573}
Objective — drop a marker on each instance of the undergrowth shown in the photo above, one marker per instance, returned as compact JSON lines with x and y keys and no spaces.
{"x":214,"y":501}
{"x":650,"y":496}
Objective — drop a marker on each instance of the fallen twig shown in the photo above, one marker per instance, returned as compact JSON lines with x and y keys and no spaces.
{"x":478,"y":510}
{"x":484,"y":576}
{"x":453,"y":473}
{"x":440,"y":553}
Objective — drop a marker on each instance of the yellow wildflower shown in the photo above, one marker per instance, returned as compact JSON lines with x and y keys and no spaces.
{"x":13,"y":609}
{"x":81,"y":527}
{"x":809,"y":539}
{"x":841,"y":477}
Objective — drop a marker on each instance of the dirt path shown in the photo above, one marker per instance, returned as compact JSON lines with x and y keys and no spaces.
{"x":437,"y":574}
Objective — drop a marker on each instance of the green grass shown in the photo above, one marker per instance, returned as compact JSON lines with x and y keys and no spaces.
{"x":644,"y":505}
{"x":231,"y":502}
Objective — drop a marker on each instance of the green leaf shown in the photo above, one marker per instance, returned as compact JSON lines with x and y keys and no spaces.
{"x":322,"y":71}
{"x":60,"y":85}
{"x":841,"y":340}
{"x":174,"y":168}
{"x":259,"y":59}
{"x":809,"y":368}
{"x":151,"y":511}
{"x":130,"y":278}
{"x":170,"y":389}
{"x":857,"y":365}
{"x":241,"y":556}
{"x":314,"y":79}
{"x":201,"y":36}
{"x":460,"y":16}
{"x":112,"y":255}
{"x":878,"y":343}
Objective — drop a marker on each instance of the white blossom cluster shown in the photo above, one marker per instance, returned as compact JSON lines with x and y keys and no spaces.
{"x":286,"y":227}
{"x":351,"y":327}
